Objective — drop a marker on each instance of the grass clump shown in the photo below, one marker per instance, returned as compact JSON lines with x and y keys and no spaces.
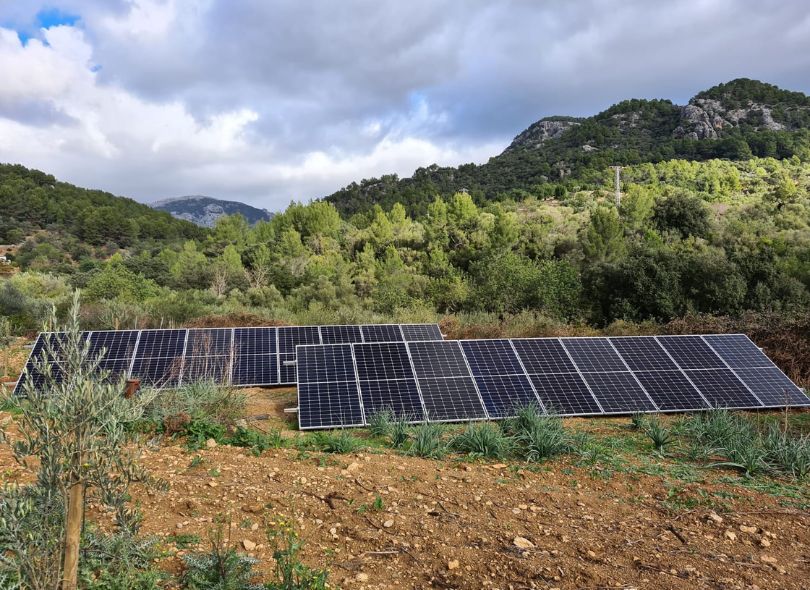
{"x":399,"y":432}
{"x":201,"y":400}
{"x":256,"y":441}
{"x":543,"y":438}
{"x":336,"y":441}
{"x":427,"y":441}
{"x":660,"y":435}
{"x":483,"y":439}
{"x":789,"y":454}
{"x":379,"y":423}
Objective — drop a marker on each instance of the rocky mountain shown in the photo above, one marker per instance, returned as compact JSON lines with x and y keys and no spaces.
{"x":204,"y":211}
{"x":735,"y":120}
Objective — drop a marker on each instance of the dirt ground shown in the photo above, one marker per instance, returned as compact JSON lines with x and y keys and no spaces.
{"x":636,"y":522}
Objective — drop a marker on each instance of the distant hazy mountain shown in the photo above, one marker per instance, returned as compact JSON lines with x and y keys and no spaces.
{"x":204,"y":211}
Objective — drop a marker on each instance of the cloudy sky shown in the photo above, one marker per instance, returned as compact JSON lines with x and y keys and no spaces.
{"x":268,"y":101}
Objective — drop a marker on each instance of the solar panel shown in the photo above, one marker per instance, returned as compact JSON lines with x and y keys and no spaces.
{"x":499,"y":375}
{"x":209,"y":342}
{"x":738,"y":351}
{"x":691,"y":352}
{"x":593,"y":355}
{"x":329,"y":405}
{"x":255,"y":359}
{"x":565,"y":394}
{"x":401,"y":397}
{"x":340,"y":334}
{"x":158,"y":372}
{"x":161,"y":344}
{"x":438,"y":359}
{"x":451,"y":399}
{"x":328,"y":395}
{"x":671,"y":390}
{"x":415,"y":332}
{"x":643,"y":353}
{"x":382,"y":361}
{"x":772,"y":387}
{"x":618,"y":393}
{"x":255,"y":370}
{"x":318,"y":364}
{"x":504,"y":394}
{"x":288,"y":339}
{"x":543,"y":355}
{"x":114,"y":344}
{"x":381,"y":333}
{"x":722,"y":389}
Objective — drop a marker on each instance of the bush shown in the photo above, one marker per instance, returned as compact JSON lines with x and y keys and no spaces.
{"x":483,"y":439}
{"x":222,"y":568}
{"x":197,"y":433}
{"x":118,"y":562}
{"x":789,"y":454}
{"x":201,"y":401}
{"x":340,"y":441}
{"x":291,"y":574}
{"x":427,"y":441}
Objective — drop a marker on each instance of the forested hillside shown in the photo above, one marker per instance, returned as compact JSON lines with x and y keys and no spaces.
{"x":738,"y":120}
{"x":711,"y":237}
{"x":63,"y":224}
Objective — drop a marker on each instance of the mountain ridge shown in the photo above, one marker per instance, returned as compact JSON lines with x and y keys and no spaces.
{"x":734,"y":120}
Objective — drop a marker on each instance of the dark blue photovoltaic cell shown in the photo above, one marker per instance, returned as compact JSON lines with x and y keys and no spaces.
{"x":214,"y":369}
{"x":738,"y":351}
{"x":722,"y":389}
{"x":382,"y":361}
{"x":288,"y":374}
{"x":248,"y":341}
{"x":773,"y":387}
{"x":116,"y":345}
{"x":400,"y":397}
{"x":329,"y":405}
{"x":543,"y":355}
{"x":491,"y":357}
{"x":414,"y":332}
{"x":381,"y":333}
{"x":453,"y":398}
{"x":161,"y":344}
{"x":618,"y":393}
{"x":255,"y":369}
{"x":318,"y":364}
{"x":565,"y":394}
{"x":340,"y":334}
{"x":670,"y":390}
{"x":643,"y":353}
{"x":160,"y":372}
{"x":292,"y":336}
{"x":593,"y":355}
{"x":438,"y":359}
{"x":504,"y":394}
{"x":691,"y":352}
{"x":209,"y":342}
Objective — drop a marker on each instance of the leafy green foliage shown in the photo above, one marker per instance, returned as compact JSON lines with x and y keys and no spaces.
{"x":221,"y":568}
{"x":291,"y":572}
{"x":338,"y":441}
{"x":256,"y":441}
{"x":483,"y":439}
{"x":427,"y":441}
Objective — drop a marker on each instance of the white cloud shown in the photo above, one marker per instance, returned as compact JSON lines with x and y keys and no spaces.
{"x":272,"y":101}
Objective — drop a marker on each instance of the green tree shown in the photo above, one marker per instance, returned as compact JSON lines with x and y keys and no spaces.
{"x":604,"y":237}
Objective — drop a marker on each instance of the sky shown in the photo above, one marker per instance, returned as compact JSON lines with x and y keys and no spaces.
{"x":270,"y":101}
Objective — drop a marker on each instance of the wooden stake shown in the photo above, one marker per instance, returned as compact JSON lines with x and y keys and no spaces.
{"x":73,"y":532}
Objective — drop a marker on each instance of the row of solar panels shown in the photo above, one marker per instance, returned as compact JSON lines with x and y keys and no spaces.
{"x":236,"y":356}
{"x":448,"y":381}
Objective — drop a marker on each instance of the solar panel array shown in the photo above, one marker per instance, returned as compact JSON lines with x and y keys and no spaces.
{"x":452,"y":381}
{"x":235,"y":356}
